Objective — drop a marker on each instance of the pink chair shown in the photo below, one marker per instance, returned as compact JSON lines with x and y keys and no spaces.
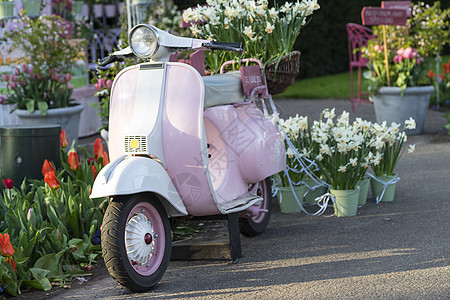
{"x":358,"y":36}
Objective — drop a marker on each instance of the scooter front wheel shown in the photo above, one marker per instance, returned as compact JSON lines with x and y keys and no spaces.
{"x":136,"y":241}
{"x":257,"y":224}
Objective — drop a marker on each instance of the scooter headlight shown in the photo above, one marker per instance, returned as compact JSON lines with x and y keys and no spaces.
{"x":144,"y":41}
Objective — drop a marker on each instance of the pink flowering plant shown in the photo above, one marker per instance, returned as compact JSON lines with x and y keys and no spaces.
{"x":410,"y":48}
{"x":42,"y":81}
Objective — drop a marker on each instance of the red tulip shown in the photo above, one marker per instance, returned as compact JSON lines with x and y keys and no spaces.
{"x":446,"y":67}
{"x":47,"y":167}
{"x":98,"y":148}
{"x":431,"y":74}
{"x":63,"y":138}
{"x":50,"y":179}
{"x":73,"y":161}
{"x":8,"y":183}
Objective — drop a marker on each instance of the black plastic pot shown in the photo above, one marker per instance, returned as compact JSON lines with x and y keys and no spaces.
{"x":24,"y":149}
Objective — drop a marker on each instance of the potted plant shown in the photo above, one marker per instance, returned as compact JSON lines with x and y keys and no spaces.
{"x":290,"y":183}
{"x":6,"y":9}
{"x":40,"y":89}
{"x":342,"y":158}
{"x":401,"y":90}
{"x":268,"y":33}
{"x":386,"y":143}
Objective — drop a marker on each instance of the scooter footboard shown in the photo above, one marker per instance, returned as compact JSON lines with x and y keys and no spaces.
{"x":131,"y":175}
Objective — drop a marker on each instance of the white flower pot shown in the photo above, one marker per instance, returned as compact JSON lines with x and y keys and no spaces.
{"x":390,"y":106}
{"x":67,"y":117}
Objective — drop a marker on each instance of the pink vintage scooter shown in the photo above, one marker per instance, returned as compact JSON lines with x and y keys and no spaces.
{"x":180,"y":144}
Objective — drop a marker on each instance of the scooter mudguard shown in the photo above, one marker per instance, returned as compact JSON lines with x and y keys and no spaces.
{"x":134,"y":174}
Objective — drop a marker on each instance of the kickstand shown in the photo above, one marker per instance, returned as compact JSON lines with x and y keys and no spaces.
{"x":235,"y":237}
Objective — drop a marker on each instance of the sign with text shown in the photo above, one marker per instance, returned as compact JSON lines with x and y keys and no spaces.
{"x":251,"y":78}
{"x":406,"y":5}
{"x":383,"y":16}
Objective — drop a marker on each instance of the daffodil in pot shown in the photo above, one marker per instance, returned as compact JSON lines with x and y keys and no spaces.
{"x":290,"y":185}
{"x":399,"y":88}
{"x":40,"y":88}
{"x":386,"y":148}
{"x":342,"y":159}
{"x":268,"y":33}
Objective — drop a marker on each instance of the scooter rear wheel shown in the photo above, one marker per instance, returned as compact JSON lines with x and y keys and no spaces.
{"x":136,"y":241}
{"x":257,"y":224}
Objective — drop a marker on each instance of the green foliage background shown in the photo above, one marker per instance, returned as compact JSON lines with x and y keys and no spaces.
{"x":323,"y":42}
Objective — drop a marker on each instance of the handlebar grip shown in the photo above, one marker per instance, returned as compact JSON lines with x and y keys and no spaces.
{"x":226,"y":46}
{"x":107,"y":60}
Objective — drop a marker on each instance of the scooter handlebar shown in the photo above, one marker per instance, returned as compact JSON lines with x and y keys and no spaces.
{"x":107,"y":60}
{"x":225,"y":46}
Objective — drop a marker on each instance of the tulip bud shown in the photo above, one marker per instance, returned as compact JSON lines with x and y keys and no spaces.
{"x":58,"y":234}
{"x":30,"y":211}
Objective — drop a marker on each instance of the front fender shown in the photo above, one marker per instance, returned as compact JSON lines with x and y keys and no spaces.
{"x":133,"y":174}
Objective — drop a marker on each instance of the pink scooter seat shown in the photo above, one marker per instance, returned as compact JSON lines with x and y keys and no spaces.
{"x":221,"y":89}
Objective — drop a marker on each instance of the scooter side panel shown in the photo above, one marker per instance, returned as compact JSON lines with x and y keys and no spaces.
{"x":253,"y":145}
{"x":184,"y":139}
{"x":131,"y":175}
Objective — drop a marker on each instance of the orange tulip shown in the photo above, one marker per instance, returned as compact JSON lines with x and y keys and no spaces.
{"x":431,"y":74}
{"x":50,"y":179}
{"x":105,"y":158}
{"x":98,"y":148}
{"x":94,"y":171}
{"x":5,"y":245}
{"x":73,"y":161}
{"x":7,"y":249}
{"x":47,"y":167}
{"x":64,"y":140}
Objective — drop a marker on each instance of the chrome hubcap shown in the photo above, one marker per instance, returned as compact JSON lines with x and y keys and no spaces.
{"x":139,"y":239}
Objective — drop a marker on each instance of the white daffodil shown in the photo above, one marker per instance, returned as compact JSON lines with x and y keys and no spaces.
{"x":195,"y":30}
{"x":289,"y":153}
{"x":411,"y":148}
{"x":342,"y":169}
{"x":354,"y":161}
{"x":269,"y":27}
{"x":273,"y":13}
{"x":329,"y":114}
{"x":343,"y":118}
{"x":410,"y":124}
{"x":248,"y":31}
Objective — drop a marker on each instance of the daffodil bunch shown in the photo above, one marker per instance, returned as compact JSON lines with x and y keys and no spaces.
{"x":342,"y":149}
{"x":268,"y":33}
{"x":297,"y":131}
{"x":386,"y":144}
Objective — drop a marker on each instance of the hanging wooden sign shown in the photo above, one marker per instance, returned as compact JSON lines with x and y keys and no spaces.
{"x":383,"y":16}
{"x":406,"y":5}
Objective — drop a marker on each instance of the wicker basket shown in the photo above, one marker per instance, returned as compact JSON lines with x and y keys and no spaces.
{"x":278,"y":80}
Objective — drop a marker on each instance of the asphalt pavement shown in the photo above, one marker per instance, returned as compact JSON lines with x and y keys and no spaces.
{"x":398,"y":250}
